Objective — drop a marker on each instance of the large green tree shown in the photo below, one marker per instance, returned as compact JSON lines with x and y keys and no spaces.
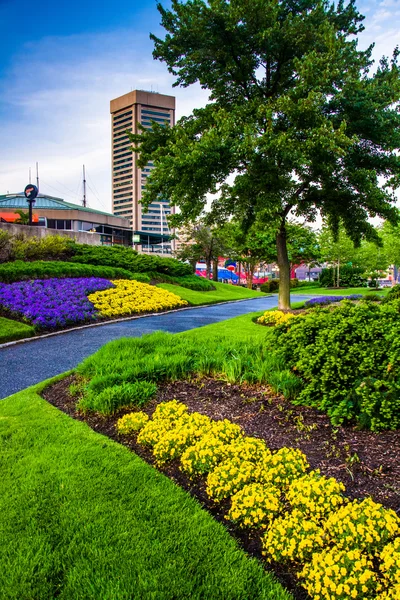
{"x":298,"y":123}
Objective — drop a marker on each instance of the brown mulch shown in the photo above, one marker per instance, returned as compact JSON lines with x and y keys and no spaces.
{"x":367,"y":463}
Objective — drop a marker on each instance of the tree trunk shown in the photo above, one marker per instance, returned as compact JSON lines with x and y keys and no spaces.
{"x":193,"y":264}
{"x":338,"y":273}
{"x":284,"y":268}
{"x":250,"y":274}
{"x":208,"y":268}
{"x":215,"y":270}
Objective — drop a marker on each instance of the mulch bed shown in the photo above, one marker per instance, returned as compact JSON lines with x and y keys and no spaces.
{"x":367,"y":463}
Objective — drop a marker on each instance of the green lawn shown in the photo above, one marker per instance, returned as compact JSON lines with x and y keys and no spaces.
{"x":82,"y":517}
{"x":13,"y":330}
{"x":336,"y":292}
{"x":222,"y":293}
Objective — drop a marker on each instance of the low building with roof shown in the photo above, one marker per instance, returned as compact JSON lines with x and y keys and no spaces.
{"x":56,"y":214}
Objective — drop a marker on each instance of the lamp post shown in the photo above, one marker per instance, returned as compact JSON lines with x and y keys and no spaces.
{"x":31,"y":192}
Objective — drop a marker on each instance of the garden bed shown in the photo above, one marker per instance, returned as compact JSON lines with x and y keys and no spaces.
{"x":365,"y":462}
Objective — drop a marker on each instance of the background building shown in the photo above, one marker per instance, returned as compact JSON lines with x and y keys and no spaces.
{"x":128,"y":181}
{"x":54,"y":213}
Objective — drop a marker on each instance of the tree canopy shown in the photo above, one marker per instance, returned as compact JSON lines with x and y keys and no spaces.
{"x":296,"y":114}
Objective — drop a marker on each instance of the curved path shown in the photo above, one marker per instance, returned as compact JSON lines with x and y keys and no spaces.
{"x":22,"y":365}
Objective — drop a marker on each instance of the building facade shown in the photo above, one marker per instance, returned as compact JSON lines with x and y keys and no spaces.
{"x":128,"y":181}
{"x":56,"y":214}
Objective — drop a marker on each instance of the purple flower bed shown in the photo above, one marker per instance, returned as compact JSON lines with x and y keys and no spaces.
{"x":322,"y":300}
{"x":50,"y":303}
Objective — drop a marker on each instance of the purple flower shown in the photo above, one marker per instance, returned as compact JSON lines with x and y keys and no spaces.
{"x":50,"y":303}
{"x":323,"y":300}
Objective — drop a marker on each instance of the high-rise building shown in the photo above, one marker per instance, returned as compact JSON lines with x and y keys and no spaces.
{"x":128,"y":181}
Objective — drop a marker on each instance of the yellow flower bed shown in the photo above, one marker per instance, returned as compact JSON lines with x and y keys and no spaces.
{"x":340,"y":549}
{"x":292,"y":538}
{"x":276,"y":317}
{"x":336,"y":574}
{"x":131,"y":297}
{"x":315,"y":495}
{"x":364,"y":525}
{"x":255,"y":505}
{"x":132,"y":422}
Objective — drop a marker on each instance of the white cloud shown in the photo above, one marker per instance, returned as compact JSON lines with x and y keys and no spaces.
{"x":56,"y":97}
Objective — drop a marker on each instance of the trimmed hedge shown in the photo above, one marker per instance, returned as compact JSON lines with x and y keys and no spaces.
{"x":348,"y":277}
{"x":20,"y":271}
{"x":126,"y":258}
{"x":191,"y":282}
{"x":273,"y":285}
{"x":348,"y":360}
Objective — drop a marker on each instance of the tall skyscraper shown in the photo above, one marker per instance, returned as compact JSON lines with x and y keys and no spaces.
{"x":128,"y":181}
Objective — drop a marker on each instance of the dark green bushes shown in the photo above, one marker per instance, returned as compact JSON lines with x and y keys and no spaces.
{"x":270,"y":286}
{"x":273,"y":285}
{"x":191,"y":282}
{"x":393,"y":294}
{"x":348,"y":361}
{"x":20,"y":271}
{"x":126,"y":258}
{"x":348,"y":277}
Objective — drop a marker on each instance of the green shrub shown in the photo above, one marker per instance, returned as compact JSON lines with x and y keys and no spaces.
{"x":393,"y":294}
{"x":19,"y":271}
{"x":5,"y":246}
{"x":191,"y":282}
{"x":270,"y":286}
{"x":126,"y":258}
{"x":111,"y":399}
{"x":371,"y":297}
{"x":348,"y":277}
{"x":348,"y":361}
{"x":273,"y":285}
{"x":52,"y":247}
{"x":309,"y":284}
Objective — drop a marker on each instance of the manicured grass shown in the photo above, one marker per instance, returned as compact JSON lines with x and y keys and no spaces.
{"x":337,"y":292}
{"x":82,"y":517}
{"x":13,"y":330}
{"x":223,"y":293}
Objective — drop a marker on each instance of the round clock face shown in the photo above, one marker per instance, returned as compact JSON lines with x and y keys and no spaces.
{"x":31,"y":191}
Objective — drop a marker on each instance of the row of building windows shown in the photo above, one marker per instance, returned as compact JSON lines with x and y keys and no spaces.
{"x":149,"y":120}
{"x":124,"y":181}
{"x":128,"y":202}
{"x":156,"y":113}
{"x":59,"y":223}
{"x":121,"y":121}
{"x":122,"y":172}
{"x":123,"y":115}
{"x":123,"y":143}
{"x":116,"y":129}
{"x":125,"y":189}
{"x":116,"y":155}
{"x":128,"y":161}
{"x":124,"y":195}
{"x":120,"y":135}
{"x":122,"y":213}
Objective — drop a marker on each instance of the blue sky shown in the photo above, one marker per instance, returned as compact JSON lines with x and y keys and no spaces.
{"x":62,"y":63}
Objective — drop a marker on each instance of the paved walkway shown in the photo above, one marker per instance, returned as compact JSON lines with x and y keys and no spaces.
{"x":25,"y":364}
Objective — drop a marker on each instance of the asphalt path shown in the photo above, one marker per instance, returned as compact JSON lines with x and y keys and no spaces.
{"x":23,"y":365}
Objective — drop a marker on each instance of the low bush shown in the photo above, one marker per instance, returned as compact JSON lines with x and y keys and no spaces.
{"x":348,"y":277}
{"x":393,"y":294}
{"x":348,"y":362}
{"x":270,"y":286}
{"x":111,"y":399}
{"x":21,"y":271}
{"x":191,"y":282}
{"x":51,"y":247}
{"x":273,"y":285}
{"x":13,"y":330}
{"x":126,"y":258}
